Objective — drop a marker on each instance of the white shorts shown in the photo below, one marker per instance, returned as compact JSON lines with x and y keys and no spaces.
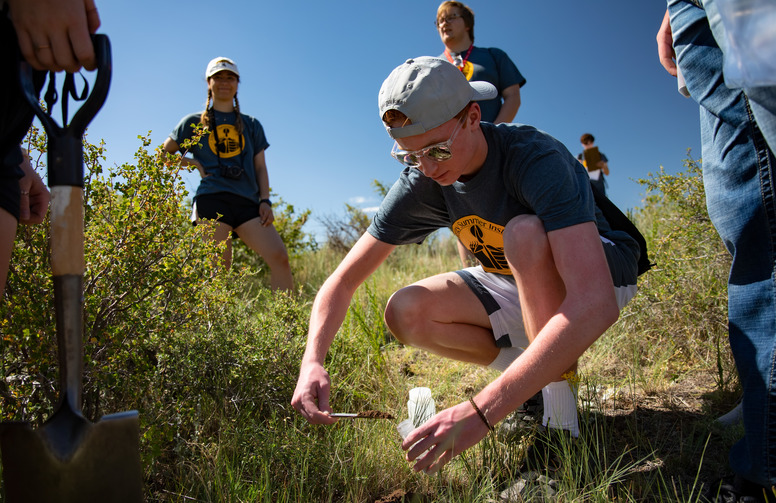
{"x":498,"y":294}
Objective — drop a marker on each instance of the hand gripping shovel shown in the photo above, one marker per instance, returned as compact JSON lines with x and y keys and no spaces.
{"x":71,"y":459}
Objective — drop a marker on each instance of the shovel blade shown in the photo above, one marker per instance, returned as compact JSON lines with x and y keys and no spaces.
{"x":104,"y":467}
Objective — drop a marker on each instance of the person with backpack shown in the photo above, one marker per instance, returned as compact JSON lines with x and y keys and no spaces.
{"x":553,"y":272}
{"x":234,"y":190}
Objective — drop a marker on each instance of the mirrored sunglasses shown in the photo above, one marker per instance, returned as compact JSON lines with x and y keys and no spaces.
{"x":439,"y":152}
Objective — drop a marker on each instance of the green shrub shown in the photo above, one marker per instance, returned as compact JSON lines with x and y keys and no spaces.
{"x":682,"y":307}
{"x":210,"y":358}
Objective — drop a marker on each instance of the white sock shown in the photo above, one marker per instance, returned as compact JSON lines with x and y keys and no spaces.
{"x":560,"y":407}
{"x":505,"y":358}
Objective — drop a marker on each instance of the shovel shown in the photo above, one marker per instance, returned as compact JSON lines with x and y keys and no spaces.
{"x":71,"y":459}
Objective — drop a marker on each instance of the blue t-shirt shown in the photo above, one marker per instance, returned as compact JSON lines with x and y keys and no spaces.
{"x":231,"y":151}
{"x":526,"y":171}
{"x":492,"y":65}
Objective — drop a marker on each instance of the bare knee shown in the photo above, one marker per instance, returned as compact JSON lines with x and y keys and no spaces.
{"x":277,"y":259}
{"x":406,"y":313}
{"x":525,"y":241}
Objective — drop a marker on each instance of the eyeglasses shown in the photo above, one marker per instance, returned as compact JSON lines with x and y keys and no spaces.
{"x":446,"y":19}
{"x":439,"y":152}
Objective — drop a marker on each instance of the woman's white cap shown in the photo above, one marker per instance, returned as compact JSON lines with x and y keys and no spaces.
{"x":218,"y":64}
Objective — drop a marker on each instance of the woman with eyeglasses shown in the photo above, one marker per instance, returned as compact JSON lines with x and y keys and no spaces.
{"x":234,"y":190}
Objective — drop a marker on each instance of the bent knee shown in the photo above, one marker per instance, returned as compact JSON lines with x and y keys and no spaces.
{"x":524,"y":229}
{"x":406,"y":312}
{"x":525,"y":236}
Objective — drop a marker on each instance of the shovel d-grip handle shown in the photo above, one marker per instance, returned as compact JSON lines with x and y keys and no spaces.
{"x":65,"y":178}
{"x":65,"y":148}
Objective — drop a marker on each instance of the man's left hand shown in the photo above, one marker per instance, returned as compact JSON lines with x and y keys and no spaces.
{"x":444,"y":436}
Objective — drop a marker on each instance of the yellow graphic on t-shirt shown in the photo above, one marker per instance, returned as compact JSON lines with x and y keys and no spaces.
{"x":468,"y":70}
{"x":485,"y":240}
{"x":229,"y":141}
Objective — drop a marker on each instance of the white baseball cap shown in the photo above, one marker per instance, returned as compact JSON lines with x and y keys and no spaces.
{"x":218,"y":64}
{"x":429,"y":91}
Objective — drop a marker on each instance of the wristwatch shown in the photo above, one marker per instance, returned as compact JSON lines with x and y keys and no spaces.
{"x":266,"y":201}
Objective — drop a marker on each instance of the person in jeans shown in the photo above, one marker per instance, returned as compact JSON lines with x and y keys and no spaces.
{"x":738,"y":137}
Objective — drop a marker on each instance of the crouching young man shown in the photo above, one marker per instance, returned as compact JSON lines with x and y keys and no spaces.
{"x":552,"y":278}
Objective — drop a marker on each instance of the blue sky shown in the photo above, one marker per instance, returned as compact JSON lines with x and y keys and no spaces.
{"x":310,"y":72}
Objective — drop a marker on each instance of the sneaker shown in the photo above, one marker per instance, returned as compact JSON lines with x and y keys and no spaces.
{"x":549,"y":447}
{"x":735,"y":489}
{"x":733,"y":417}
{"x":524,"y":419}
{"x":532,"y":409}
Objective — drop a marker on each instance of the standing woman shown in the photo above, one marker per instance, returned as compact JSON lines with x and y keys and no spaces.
{"x":234,"y":189}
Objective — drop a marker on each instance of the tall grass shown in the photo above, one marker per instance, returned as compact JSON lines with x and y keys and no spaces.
{"x":218,"y":426}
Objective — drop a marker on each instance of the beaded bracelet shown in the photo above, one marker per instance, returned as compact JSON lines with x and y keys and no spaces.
{"x":482,"y":416}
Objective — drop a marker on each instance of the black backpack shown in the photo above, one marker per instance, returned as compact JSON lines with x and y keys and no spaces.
{"x":618,"y":221}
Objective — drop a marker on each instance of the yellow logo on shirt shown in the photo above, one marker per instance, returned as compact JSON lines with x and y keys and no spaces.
{"x":485,"y":240}
{"x":229,"y":141}
{"x":468,"y":70}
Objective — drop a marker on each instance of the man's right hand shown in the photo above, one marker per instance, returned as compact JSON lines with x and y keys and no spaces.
{"x":54,"y":34}
{"x":311,"y":396}
{"x":665,"y":45}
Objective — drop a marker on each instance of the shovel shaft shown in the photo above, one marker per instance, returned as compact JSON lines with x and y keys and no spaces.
{"x":67,"y":264}
{"x":67,"y":231}
{"x":68,"y":301}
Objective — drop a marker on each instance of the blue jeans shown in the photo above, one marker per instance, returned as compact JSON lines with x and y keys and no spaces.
{"x":737,"y":127}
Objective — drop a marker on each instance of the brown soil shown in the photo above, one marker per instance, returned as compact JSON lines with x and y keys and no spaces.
{"x":666,"y":437}
{"x":375,"y":414}
{"x":400,"y":496}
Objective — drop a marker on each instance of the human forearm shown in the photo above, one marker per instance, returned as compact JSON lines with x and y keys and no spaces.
{"x":311,"y":396}
{"x":510,"y":106}
{"x":571,"y":302}
{"x":459,"y":427}
{"x":170,"y":146}
{"x":557,"y":347}
{"x":262,"y":177}
{"x":262,"y":174}
{"x":328,"y":313}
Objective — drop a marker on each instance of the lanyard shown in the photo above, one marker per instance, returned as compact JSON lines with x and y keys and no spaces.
{"x":463,"y":61}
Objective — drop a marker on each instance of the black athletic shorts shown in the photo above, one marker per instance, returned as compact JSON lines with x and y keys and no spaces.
{"x":227,"y":208}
